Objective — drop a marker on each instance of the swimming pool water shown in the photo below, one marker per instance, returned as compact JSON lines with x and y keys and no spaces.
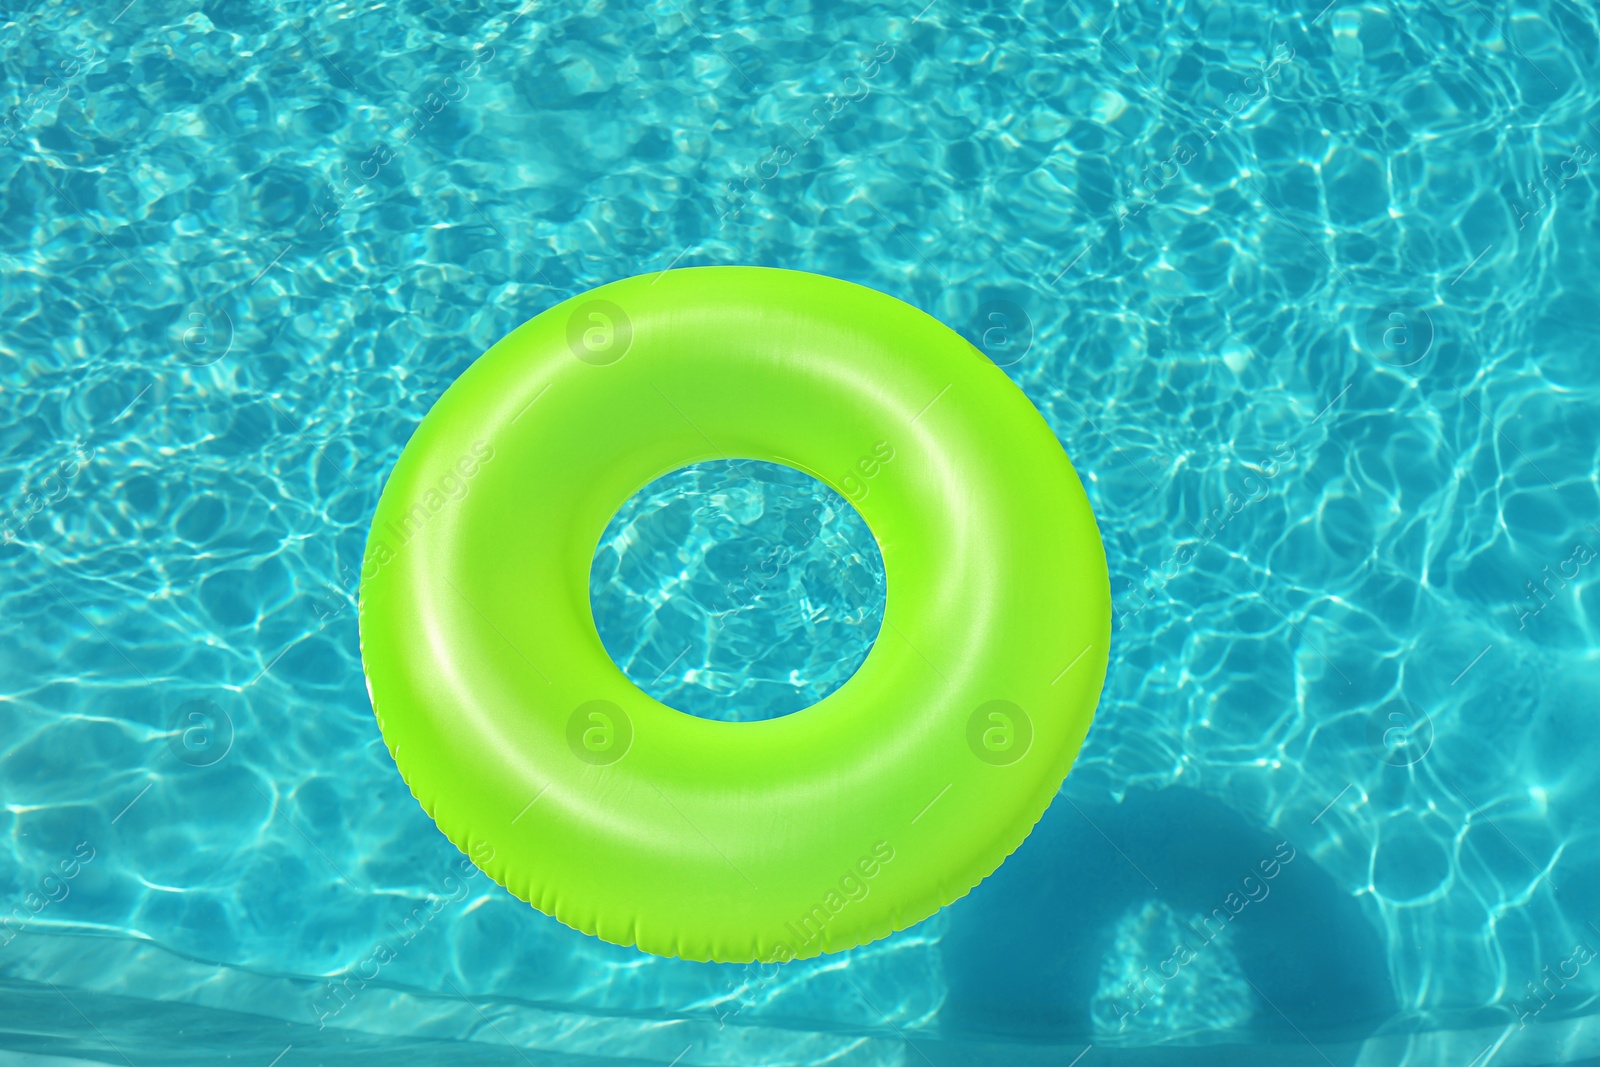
{"x":1309,"y":296}
{"x":738,"y":590}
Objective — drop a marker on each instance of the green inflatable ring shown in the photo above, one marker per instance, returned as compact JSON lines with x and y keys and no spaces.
{"x":730,"y":841}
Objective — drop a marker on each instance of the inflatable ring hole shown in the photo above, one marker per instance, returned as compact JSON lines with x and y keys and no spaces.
{"x":737,"y":590}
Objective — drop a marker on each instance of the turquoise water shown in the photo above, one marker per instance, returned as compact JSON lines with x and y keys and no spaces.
{"x":1309,"y":296}
{"x":738,"y":590}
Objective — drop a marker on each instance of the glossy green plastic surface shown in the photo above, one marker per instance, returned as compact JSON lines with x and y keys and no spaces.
{"x":734,"y":841}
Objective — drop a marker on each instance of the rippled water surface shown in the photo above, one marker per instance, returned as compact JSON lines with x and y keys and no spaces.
{"x":738,"y":590}
{"x":1309,"y":297}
